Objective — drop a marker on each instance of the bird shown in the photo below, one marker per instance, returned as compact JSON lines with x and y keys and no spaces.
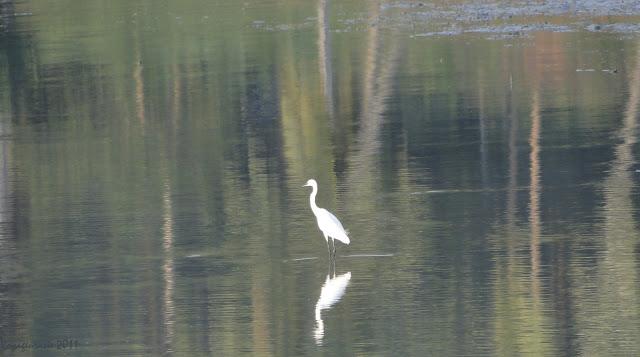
{"x":327,"y":222}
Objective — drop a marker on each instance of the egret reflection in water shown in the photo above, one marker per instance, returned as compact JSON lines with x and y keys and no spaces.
{"x":332,"y":291}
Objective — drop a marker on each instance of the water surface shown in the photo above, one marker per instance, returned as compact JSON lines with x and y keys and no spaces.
{"x":152,"y":157}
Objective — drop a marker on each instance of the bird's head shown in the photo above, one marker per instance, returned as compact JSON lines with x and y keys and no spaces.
{"x":311,"y":182}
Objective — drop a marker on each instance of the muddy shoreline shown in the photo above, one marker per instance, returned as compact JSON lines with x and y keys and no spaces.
{"x":425,"y":19}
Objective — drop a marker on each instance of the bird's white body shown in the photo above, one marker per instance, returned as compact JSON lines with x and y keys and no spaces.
{"x":327,"y":222}
{"x":331,"y":226}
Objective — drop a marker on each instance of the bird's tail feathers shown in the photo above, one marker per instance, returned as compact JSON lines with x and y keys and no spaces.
{"x":345,"y":239}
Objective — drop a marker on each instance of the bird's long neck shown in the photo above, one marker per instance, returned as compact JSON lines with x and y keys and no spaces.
{"x":312,"y":199}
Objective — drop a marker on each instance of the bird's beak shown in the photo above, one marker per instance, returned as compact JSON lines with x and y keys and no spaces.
{"x":305,"y":185}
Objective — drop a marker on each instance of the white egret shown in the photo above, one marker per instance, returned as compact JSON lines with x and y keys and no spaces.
{"x":327,"y":222}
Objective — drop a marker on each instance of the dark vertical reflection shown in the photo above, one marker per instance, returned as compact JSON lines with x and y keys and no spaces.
{"x":11,"y":267}
{"x":512,"y":185}
{"x":27,"y":92}
{"x":482,"y":128}
{"x":505,"y":325}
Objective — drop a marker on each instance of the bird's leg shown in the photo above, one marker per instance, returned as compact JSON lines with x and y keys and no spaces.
{"x":328,"y":248}
{"x":334,"y":247}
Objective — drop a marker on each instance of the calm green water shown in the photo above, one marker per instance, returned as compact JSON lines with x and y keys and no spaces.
{"x":152,"y":156}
